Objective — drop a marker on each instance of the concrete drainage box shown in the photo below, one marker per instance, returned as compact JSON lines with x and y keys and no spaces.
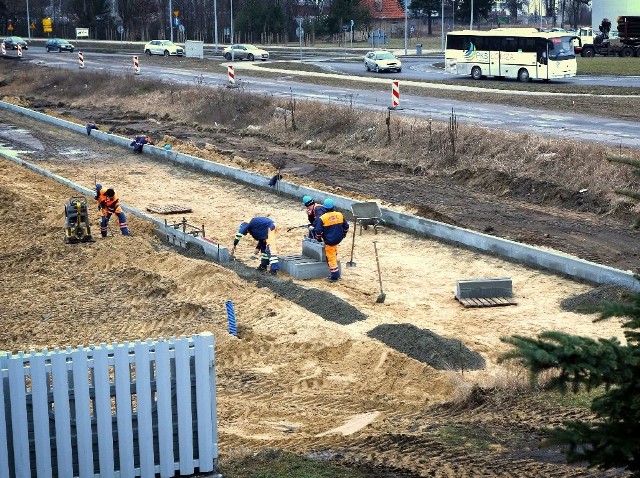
{"x":485,"y":292}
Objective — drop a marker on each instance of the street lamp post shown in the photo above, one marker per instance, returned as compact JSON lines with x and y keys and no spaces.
{"x":28,"y":22}
{"x":215,"y":24}
{"x":233,"y":57}
{"x":170,"y":21}
{"x":406,"y":22}
{"x":442,"y":24}
{"x":471,"y":22}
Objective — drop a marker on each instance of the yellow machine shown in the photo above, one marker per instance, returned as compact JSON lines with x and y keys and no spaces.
{"x":77,"y":227}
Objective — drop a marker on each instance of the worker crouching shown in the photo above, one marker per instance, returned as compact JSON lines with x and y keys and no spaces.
{"x":107,"y":205}
{"x":332,"y":228}
{"x":263,"y":230}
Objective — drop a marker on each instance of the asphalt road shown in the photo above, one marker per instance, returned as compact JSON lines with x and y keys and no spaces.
{"x":611,"y":131}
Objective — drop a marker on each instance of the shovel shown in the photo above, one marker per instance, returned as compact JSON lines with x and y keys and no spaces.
{"x":353,"y":243}
{"x":382,"y":295}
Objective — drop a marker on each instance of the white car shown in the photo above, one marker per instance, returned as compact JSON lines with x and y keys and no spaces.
{"x":382,"y":60}
{"x":163,"y":47}
{"x":246,"y":51}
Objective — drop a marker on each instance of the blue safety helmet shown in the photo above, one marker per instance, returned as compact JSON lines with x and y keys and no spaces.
{"x":328,"y":203}
{"x":307,"y":200}
{"x":98,"y":187}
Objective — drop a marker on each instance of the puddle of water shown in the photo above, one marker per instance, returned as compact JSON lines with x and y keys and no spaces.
{"x":10,"y":153}
{"x":21,"y":135}
{"x":77,"y":154}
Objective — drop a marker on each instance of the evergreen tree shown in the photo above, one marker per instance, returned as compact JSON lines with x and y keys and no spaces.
{"x":612,"y":439}
{"x":626,"y":192}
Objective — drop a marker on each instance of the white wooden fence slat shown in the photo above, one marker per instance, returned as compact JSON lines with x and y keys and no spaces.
{"x":214,"y":398}
{"x":17,"y":390}
{"x":83,"y":412}
{"x":123,"y":410}
{"x":102,"y":411}
{"x":4,"y":439}
{"x":183,"y":404}
{"x":145,"y":424}
{"x":61,"y":413}
{"x":165,"y":418}
{"x":40,"y":411}
{"x":203,"y":404}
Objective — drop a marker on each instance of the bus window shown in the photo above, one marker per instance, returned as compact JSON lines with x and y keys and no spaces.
{"x":561,"y":48}
{"x":527,"y":44}
{"x":510,"y":44}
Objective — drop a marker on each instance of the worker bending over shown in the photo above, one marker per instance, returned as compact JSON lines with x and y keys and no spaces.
{"x":331,"y":227}
{"x":107,"y":205}
{"x":263,"y":230}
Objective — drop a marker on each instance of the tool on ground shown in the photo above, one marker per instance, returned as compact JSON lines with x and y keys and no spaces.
{"x":77,"y":227}
{"x":297,"y":227}
{"x":353,"y":243}
{"x":382,"y":295}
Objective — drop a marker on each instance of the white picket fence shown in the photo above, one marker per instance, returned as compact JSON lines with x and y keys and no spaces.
{"x":120,"y":410}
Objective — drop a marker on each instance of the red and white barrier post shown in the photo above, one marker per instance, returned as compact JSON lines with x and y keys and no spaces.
{"x":81,"y":59}
{"x":4,"y":49}
{"x":395,"y":95}
{"x":136,"y":66}
{"x":20,"y":51}
{"x":232,"y":75}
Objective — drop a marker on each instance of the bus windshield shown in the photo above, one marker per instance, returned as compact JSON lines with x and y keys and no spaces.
{"x":561,"y":48}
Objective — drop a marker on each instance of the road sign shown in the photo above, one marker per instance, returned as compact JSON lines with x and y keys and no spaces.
{"x":176,"y":13}
{"x":299,"y":20}
{"x":299,"y":32}
{"x":120,"y":29}
{"x":345,"y":28}
{"x":352,"y":23}
{"x":10,"y":27}
{"x":181,"y":28}
{"x":412,"y":29}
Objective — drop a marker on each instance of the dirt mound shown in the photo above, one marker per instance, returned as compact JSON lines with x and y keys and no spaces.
{"x":588,"y":302}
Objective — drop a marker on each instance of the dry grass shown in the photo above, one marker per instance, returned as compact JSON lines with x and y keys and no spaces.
{"x":417,"y":146}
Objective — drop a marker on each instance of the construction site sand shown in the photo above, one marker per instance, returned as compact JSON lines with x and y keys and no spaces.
{"x":293,"y":379}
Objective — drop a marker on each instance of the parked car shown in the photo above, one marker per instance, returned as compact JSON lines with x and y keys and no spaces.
{"x":246,"y":51}
{"x":163,"y":47}
{"x":11,"y":43}
{"x":58,"y":44}
{"x":382,"y":60}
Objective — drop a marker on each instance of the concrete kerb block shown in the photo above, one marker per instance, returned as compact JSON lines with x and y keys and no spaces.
{"x":314,"y":249}
{"x":484,"y":288}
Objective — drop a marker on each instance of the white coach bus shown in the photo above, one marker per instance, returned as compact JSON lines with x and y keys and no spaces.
{"x":522,"y":53}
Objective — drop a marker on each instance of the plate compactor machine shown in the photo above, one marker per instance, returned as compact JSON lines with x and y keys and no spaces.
{"x":77,"y":227}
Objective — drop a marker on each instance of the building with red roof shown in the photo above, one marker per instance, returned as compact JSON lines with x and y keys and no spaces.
{"x":387,"y":15}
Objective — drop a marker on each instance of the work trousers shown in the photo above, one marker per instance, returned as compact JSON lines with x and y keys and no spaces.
{"x":122,"y":219}
{"x":332,"y":259}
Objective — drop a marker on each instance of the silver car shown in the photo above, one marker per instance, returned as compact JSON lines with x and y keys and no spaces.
{"x":163,"y":47}
{"x":382,"y":60}
{"x":245,"y":52}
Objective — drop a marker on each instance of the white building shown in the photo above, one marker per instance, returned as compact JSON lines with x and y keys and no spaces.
{"x":612,"y":9}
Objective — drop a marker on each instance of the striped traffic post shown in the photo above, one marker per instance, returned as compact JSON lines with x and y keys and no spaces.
{"x":81,"y":59}
{"x":231,"y":316}
{"x":395,"y":95}
{"x":4,"y":49}
{"x":20,"y":51}
{"x":232,"y":75}
{"x":136,"y":66}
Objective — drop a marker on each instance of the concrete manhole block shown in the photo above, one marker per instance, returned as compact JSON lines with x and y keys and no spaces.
{"x":168,"y":208}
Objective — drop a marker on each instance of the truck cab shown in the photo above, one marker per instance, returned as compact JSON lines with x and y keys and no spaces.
{"x":585,"y":37}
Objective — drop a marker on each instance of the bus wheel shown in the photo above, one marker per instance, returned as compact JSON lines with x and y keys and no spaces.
{"x":523,"y":75}
{"x":476,"y":73}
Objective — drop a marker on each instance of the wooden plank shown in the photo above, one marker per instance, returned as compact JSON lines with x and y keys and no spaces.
{"x":486,"y":301}
{"x":122,"y":372}
{"x":83,"y":413}
{"x":203,"y":407}
{"x":40,"y":411}
{"x":165,"y":415}
{"x":61,"y":412}
{"x":143,"y":396}
{"x":19,"y":422}
{"x":183,"y":403}
{"x":102,"y":411}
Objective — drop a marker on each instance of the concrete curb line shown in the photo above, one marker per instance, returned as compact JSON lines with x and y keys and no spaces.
{"x":548,"y":260}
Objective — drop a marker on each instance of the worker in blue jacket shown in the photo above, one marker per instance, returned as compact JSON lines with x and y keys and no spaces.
{"x":332,"y":227}
{"x":263,"y":230}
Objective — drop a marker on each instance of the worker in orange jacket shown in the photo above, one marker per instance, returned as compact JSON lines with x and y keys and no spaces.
{"x":331,"y":227}
{"x":108,"y":204}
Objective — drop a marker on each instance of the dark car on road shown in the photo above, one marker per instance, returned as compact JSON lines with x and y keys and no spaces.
{"x":58,"y":44}
{"x":11,"y":43}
